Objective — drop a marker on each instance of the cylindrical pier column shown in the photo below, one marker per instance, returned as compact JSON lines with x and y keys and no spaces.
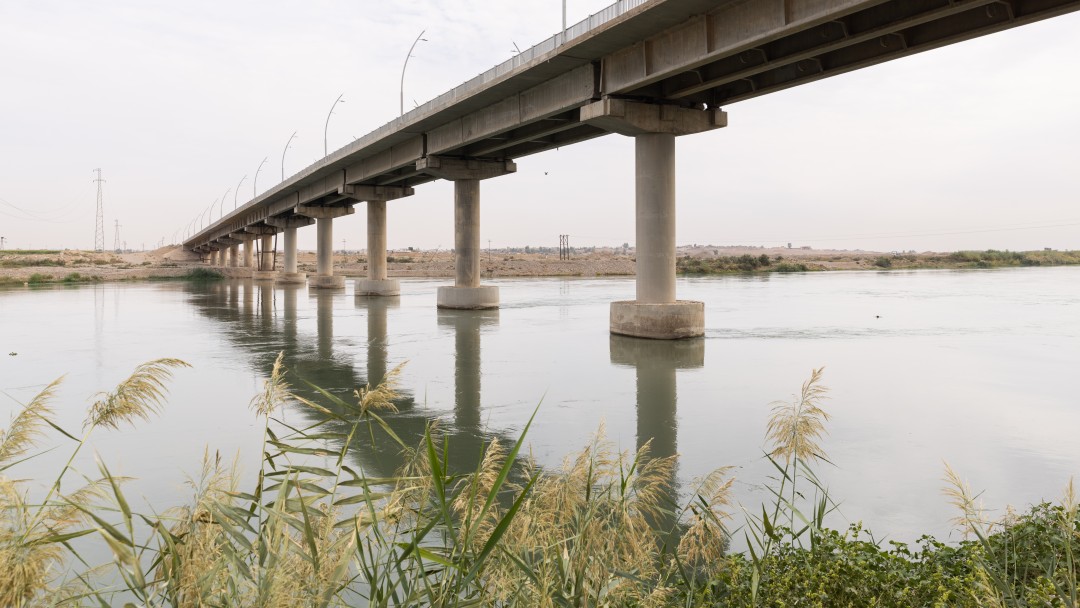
{"x":325,"y":246}
{"x":467,"y":232}
{"x":234,"y":256}
{"x":290,"y":250}
{"x":266,"y":258}
{"x":656,"y":313}
{"x":249,"y":253}
{"x":324,"y":255}
{"x":655,"y":202}
{"x":467,"y":293}
{"x":376,"y":283}
{"x":376,"y":240}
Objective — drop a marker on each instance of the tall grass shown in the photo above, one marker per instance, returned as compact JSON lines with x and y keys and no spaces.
{"x":603,"y":529}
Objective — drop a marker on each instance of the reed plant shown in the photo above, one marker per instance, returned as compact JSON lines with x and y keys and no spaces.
{"x":603,"y":529}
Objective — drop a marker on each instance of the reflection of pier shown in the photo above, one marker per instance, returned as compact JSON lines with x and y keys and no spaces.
{"x":377,"y":346}
{"x":656,"y":363}
{"x":467,"y":326}
{"x":260,"y":329}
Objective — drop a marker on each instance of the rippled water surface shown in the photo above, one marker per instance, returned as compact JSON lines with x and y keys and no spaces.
{"x":976,"y":368}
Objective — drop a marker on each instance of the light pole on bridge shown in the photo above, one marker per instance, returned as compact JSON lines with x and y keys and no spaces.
{"x":255,"y":181}
{"x":327,"y":127}
{"x":221,"y":208}
{"x":203,"y":214}
{"x":287,"y":144}
{"x":237,"y":191}
{"x":402,"y":90}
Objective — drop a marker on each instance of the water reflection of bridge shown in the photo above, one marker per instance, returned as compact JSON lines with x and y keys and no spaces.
{"x":262,"y":320}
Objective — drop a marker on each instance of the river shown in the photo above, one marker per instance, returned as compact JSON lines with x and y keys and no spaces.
{"x":973,"y":368}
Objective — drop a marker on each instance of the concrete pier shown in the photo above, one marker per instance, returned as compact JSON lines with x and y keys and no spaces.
{"x":324,"y":265}
{"x":290,"y":276}
{"x":234,"y":256}
{"x":265,"y":271}
{"x":324,"y":225}
{"x":467,"y":292}
{"x":376,"y":283}
{"x":249,"y":252}
{"x":655,"y":312}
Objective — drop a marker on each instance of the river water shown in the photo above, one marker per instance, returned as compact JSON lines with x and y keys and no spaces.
{"x":974,"y":368}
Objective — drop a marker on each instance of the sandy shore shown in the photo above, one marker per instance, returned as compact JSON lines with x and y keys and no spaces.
{"x":18,"y":267}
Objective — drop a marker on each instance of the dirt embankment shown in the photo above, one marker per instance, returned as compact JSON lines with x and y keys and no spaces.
{"x":72,"y":266}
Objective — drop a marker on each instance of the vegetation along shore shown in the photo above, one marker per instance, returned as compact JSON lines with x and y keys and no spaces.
{"x":308,"y":528}
{"x":19,"y":267}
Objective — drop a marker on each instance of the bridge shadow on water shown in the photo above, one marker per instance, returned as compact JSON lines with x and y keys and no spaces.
{"x":262,"y":320}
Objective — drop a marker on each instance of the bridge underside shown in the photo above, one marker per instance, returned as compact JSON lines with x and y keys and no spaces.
{"x":745,"y":49}
{"x":702,"y":54}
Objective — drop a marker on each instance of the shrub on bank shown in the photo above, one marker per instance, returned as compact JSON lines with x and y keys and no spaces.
{"x":602,"y":530}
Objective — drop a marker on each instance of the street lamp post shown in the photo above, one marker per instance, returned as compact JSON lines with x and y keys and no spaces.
{"x":203,"y":214}
{"x":402,"y":90}
{"x":291,"y":137}
{"x":255,"y":182}
{"x":237,"y":191}
{"x":564,"y":19}
{"x":221,"y":209}
{"x":336,"y":101}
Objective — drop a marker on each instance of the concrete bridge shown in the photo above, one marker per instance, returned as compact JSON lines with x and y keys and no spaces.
{"x":648,"y":69}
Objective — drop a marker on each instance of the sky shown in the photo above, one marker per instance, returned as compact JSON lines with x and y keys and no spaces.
{"x":972,"y":146}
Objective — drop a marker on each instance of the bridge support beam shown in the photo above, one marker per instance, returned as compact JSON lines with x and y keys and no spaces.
{"x":467,"y":292}
{"x":655,"y":312}
{"x":324,"y":247}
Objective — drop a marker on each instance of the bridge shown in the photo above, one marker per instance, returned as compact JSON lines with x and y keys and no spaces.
{"x":648,"y":69}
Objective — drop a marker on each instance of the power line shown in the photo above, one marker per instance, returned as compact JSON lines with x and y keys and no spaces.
{"x":99,"y":225}
{"x":116,"y":242}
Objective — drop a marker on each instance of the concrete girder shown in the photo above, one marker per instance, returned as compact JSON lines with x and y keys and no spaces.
{"x":323,"y":213}
{"x":364,"y":192}
{"x":636,"y":118}
{"x":243,"y":237}
{"x":293,"y":222}
{"x":456,"y":169}
{"x":261,"y":230}
{"x":228,"y":241}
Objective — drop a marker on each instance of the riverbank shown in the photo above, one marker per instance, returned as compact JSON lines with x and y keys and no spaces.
{"x":73,"y":266}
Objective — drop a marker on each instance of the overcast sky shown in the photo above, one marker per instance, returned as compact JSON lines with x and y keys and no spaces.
{"x":972,"y":146}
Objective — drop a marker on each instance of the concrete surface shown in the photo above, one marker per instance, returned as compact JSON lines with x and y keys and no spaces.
{"x":667,"y":321}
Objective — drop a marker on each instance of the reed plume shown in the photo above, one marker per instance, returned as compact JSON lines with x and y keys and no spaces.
{"x":795,"y":428}
{"x":706,"y":537}
{"x":276,"y":391}
{"x":380,"y":398}
{"x":960,"y":496}
{"x":140,"y":395}
{"x":28,"y":426}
